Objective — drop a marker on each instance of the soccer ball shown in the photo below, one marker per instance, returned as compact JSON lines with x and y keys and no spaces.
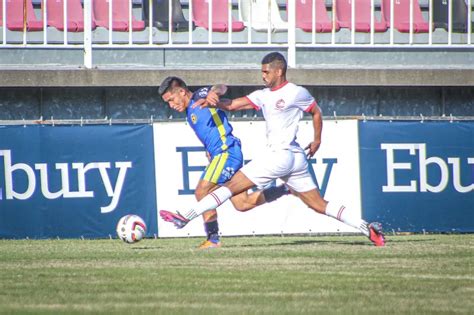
{"x":131,"y":228}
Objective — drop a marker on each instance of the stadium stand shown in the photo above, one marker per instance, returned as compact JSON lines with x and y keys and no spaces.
{"x":328,"y":59}
{"x":120,"y":16}
{"x":362,"y":14}
{"x":401,"y":16}
{"x":304,"y":16}
{"x":15,"y":18}
{"x":459,"y":15}
{"x":220,"y":16}
{"x":160,"y":15}
{"x":75,"y":15}
{"x":261,"y":15}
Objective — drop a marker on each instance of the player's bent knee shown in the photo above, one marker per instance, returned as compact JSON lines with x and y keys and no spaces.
{"x":200,"y":193}
{"x":241,"y":206}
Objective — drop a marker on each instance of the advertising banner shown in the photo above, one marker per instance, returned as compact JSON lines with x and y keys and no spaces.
{"x":180,"y":160}
{"x":418,"y":176}
{"x":75,"y":181}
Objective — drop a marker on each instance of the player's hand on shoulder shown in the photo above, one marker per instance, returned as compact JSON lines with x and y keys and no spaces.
{"x":211,"y":100}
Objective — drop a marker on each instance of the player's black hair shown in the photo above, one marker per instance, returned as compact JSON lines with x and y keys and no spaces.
{"x":275,"y":59}
{"x":169,"y":83}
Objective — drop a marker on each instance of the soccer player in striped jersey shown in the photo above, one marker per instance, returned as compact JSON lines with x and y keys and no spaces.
{"x":282,"y":104}
{"x":214,"y":131}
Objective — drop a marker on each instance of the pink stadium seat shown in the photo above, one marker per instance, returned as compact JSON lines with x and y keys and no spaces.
{"x":75,"y":15}
{"x":304,"y":16}
{"x":362,"y":16}
{"x":15,"y":16}
{"x":401,"y":16}
{"x":220,"y":16}
{"x":120,"y":18}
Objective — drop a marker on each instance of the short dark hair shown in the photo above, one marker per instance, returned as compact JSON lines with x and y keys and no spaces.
{"x":275,"y":59}
{"x":170,"y":83}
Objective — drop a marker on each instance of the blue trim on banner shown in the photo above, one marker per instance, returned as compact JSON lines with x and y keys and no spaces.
{"x":73,"y":181}
{"x":418,"y":176}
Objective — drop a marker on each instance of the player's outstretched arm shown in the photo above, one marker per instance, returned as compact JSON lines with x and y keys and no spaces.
{"x":240,"y":103}
{"x":213,"y":100}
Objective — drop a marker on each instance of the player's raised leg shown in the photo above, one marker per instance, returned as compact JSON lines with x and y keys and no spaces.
{"x":237,"y":184}
{"x":247,"y":201}
{"x":211,"y":178}
{"x":339,"y":212}
{"x":211,"y":225}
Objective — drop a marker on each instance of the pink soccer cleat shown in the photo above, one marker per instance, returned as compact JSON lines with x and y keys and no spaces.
{"x":175,"y":218}
{"x":375,"y":234}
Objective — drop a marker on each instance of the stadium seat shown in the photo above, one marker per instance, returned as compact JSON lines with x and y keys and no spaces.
{"x":362,"y":16}
{"x":459,"y":15}
{"x":220,"y":16}
{"x":160,"y":15}
{"x":120,"y":15}
{"x":15,"y":19}
{"x":260,"y":15}
{"x":401,"y":16}
{"x":304,"y":16}
{"x":75,"y":15}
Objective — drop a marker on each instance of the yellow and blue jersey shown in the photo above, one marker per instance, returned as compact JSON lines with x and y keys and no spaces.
{"x":215,"y":133}
{"x":210,"y":125}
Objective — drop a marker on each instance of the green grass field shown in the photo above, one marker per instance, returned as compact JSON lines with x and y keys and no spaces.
{"x":418,"y":274}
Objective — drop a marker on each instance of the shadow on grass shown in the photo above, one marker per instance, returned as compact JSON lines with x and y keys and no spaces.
{"x":389,"y":241}
{"x":148,"y":248}
{"x":302,"y":242}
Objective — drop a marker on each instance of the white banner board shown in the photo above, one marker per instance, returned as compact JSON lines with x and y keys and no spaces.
{"x":180,"y":160}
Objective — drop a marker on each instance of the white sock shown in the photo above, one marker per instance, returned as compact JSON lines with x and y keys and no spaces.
{"x":341,"y":213}
{"x":211,"y":201}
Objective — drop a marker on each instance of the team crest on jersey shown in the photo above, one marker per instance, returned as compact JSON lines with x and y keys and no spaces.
{"x":280,"y":104}
{"x":228,"y":172}
{"x":194,"y":118}
{"x":203,"y":92}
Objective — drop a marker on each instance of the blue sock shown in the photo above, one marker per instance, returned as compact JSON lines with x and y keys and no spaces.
{"x":212,"y":230}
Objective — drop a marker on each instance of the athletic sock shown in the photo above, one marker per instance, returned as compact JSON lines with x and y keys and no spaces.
{"x":341,"y":213}
{"x":211,"y":201}
{"x":212,"y":229}
{"x":275,"y":192}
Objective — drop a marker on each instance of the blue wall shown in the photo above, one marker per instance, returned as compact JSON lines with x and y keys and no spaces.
{"x":418,"y":176}
{"x":72,"y":181}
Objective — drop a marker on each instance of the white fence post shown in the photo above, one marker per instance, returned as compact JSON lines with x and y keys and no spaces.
{"x":469,"y":22}
{"x":87,"y":34}
{"x":4,"y":21}
{"x":291,"y":34}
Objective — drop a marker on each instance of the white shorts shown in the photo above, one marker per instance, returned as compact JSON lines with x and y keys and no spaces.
{"x":291,"y":167}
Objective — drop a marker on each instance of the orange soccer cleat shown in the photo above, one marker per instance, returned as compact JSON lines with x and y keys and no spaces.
{"x":210,"y":244}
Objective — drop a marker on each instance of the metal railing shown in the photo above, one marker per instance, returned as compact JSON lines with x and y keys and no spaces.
{"x":110,"y":121}
{"x":288,"y":37}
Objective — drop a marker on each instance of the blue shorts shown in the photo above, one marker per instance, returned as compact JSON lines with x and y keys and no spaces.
{"x":224,"y":165}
